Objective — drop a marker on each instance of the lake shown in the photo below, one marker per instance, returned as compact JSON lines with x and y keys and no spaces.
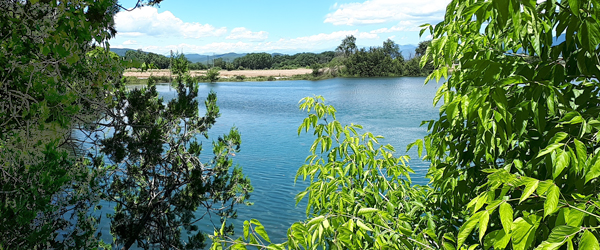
{"x":267,"y":116}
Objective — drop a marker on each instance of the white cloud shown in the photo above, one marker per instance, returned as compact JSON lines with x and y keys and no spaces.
{"x":402,"y":26}
{"x":147,"y":21}
{"x":243,"y":33}
{"x":130,"y":42}
{"x":383,"y":11}
{"x":307,"y":43}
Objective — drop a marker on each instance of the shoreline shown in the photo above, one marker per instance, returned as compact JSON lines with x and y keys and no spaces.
{"x":223,"y":73}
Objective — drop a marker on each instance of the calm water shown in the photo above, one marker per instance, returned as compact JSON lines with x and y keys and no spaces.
{"x":267,"y":116}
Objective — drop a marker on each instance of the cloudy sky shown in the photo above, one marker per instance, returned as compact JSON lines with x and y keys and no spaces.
{"x":285,"y":26}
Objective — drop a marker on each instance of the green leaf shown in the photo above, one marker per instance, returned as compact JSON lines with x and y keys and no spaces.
{"x":523,"y":231}
{"x":549,"y":149}
{"x":530,"y":187}
{"x":551,"y":202}
{"x":589,"y":241}
{"x":594,"y":171}
{"x":544,"y":186}
{"x":593,"y":33}
{"x":246,"y":229}
{"x":362,"y":225}
{"x":549,"y":246}
{"x":363,"y":211}
{"x":562,"y":161}
{"x":574,"y":4}
{"x":483,"y":224}
{"x":506,"y":216}
{"x":581,"y":150}
{"x":467,"y":228}
{"x":560,"y":233}
{"x":276,"y":247}
{"x":262,"y":232}
{"x":558,"y":137}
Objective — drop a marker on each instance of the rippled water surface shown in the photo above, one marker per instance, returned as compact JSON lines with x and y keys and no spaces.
{"x":267,"y":116}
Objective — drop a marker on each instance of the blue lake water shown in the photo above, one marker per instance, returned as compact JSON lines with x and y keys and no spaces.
{"x":267,"y":116}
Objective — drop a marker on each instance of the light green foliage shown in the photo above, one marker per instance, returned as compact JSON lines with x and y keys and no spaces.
{"x":359,"y":196}
{"x":517,"y":133}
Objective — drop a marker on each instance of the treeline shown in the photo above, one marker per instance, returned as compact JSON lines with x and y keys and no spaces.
{"x":278,"y":61}
{"x":347,"y":60}
{"x":148,"y":60}
{"x":380,"y":61}
{"x":151,"y":60}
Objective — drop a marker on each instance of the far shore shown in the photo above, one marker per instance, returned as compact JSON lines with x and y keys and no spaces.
{"x":223,"y":73}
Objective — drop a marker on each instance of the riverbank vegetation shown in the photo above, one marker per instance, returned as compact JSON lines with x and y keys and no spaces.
{"x":346,"y":61}
{"x":71,"y":135}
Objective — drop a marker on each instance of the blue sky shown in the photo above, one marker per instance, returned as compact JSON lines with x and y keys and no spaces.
{"x":284,"y":26}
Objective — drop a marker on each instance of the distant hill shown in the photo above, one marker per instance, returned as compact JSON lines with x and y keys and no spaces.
{"x":120,"y":52}
{"x":228,"y":57}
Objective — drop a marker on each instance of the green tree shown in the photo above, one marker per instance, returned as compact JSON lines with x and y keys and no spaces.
{"x":348,"y":46}
{"x":254,"y":61}
{"x":61,"y":83}
{"x":54,"y":78}
{"x":369,"y":63}
{"x":212,"y":75}
{"x":422,"y":48}
{"x":159,"y":181}
{"x":139,"y":57}
{"x":516,"y":139}
{"x":219,"y":62}
{"x":392,"y":49}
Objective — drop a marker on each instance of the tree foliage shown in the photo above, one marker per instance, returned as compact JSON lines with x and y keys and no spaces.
{"x":513,"y":155}
{"x":50,"y":82}
{"x":358,"y":192}
{"x":62,"y":108}
{"x":212,"y":75}
{"x":382,"y":61}
{"x":516,"y":141}
{"x":140,"y":57}
{"x":348,"y":46}
{"x":158,"y":180}
{"x":254,"y":61}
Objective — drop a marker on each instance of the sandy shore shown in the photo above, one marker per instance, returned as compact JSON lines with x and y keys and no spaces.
{"x":224,"y":73}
